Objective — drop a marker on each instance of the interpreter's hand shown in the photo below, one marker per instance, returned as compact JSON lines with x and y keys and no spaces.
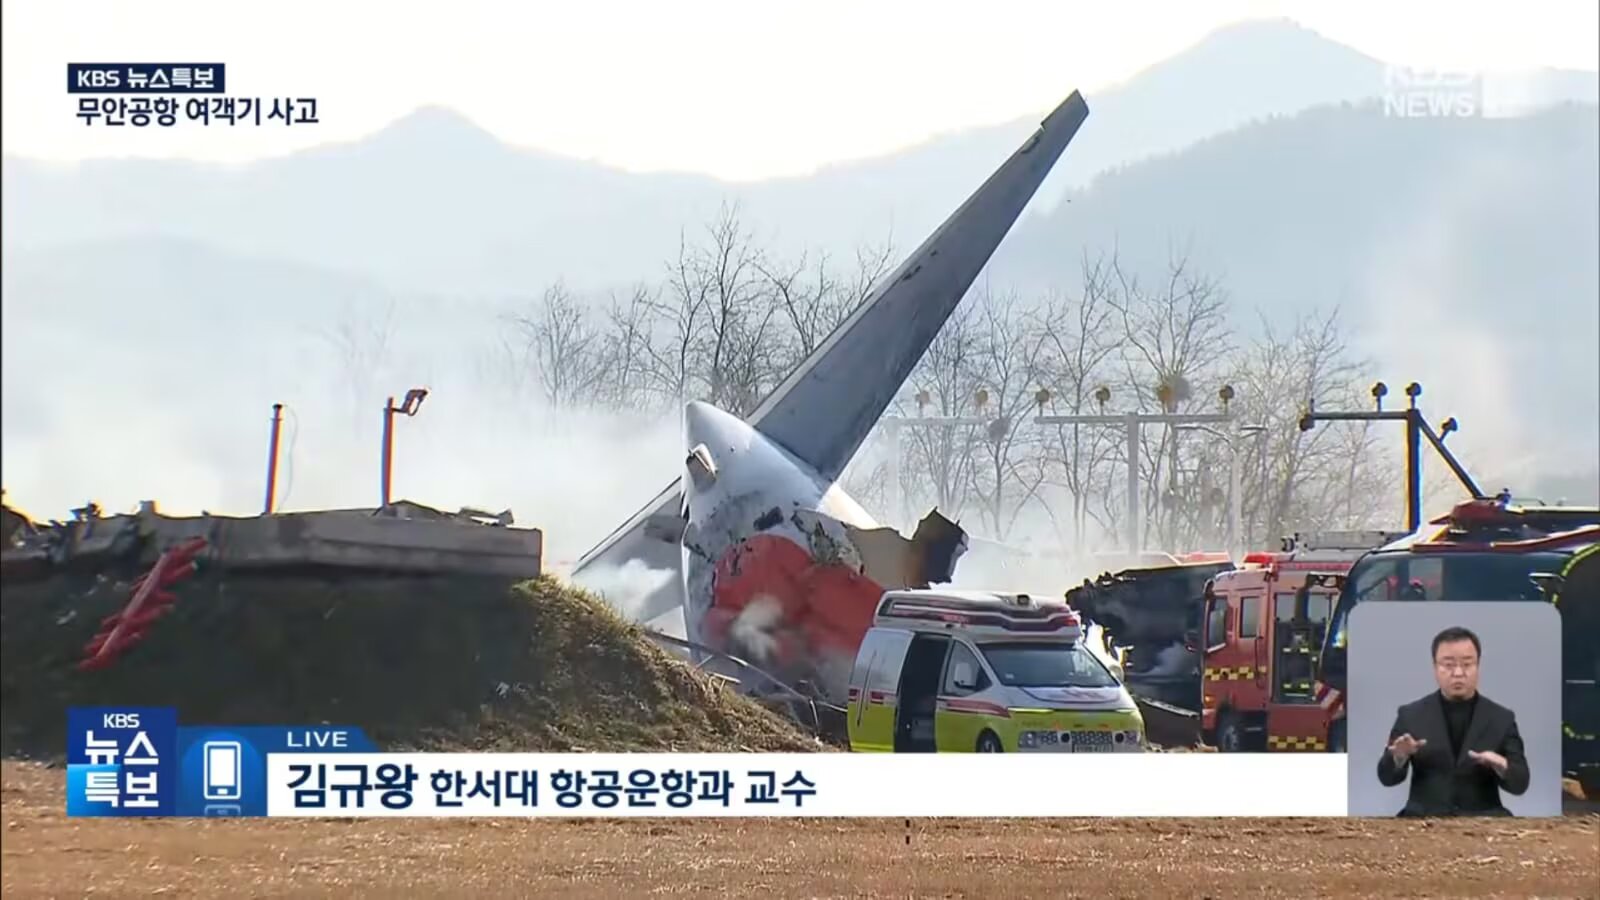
{"x":1404,"y":747}
{"x":1489,"y":758}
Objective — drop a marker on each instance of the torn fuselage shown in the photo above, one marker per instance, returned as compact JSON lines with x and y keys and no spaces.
{"x":780,"y":565}
{"x":1157,"y":614}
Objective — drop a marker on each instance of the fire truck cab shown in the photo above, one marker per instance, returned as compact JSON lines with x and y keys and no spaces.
{"x":1263,"y":631}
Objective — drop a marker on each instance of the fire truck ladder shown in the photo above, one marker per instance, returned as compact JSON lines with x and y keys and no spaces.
{"x":151,"y":600}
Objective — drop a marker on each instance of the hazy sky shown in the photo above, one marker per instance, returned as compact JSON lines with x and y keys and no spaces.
{"x":736,"y":89}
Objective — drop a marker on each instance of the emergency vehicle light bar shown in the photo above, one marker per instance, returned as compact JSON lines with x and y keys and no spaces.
{"x":1445,"y":544}
{"x":1339,"y":540}
{"x":1501,"y":511}
{"x":1478,"y":512}
{"x":1029,"y":619}
{"x":1299,"y":562}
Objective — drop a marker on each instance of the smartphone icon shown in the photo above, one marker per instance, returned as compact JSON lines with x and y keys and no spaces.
{"x":222,"y":775}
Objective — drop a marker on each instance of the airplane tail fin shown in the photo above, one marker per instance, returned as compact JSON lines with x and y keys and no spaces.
{"x":825,"y":409}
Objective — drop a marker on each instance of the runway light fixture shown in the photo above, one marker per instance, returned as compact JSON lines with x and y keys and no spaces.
{"x":1307,"y":419}
{"x":1102,"y":396}
{"x":1165,"y":395}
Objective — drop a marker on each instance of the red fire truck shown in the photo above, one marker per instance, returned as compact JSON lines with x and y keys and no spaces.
{"x":1263,"y":632}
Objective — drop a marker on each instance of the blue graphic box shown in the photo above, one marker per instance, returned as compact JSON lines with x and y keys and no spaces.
{"x":137,"y":761}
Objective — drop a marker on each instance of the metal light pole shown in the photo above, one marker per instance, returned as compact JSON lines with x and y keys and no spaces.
{"x":272,"y":459}
{"x":1235,"y":478}
{"x":895,"y":425}
{"x":1416,"y":429}
{"x":409,"y":407}
{"x":1133,"y":424}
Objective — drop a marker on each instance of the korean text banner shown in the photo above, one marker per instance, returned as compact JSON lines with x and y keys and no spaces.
{"x":804,"y":784}
{"x":139,"y":761}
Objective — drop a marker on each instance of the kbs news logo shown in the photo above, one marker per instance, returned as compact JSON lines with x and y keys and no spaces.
{"x":1431,"y":93}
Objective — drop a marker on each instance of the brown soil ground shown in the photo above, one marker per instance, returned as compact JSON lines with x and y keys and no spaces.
{"x":47,"y":854}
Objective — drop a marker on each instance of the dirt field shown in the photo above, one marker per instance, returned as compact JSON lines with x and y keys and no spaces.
{"x":47,"y":854}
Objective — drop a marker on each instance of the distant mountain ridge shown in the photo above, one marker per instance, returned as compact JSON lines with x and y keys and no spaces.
{"x":1462,"y":251}
{"x":433,"y":202}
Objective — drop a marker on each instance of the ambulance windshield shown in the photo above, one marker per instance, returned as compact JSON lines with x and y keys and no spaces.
{"x":1046,"y":665}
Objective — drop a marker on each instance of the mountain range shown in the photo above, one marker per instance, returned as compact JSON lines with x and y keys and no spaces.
{"x":434,"y":203}
{"x":1462,"y":250}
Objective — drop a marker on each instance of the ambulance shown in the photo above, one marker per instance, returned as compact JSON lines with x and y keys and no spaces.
{"x":969,"y":671}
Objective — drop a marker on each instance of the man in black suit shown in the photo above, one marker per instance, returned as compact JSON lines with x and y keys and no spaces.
{"x":1460,"y":748}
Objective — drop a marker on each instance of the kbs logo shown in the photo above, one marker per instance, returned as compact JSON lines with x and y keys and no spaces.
{"x":96,"y":78}
{"x":146,"y":78}
{"x":121,"y":762}
{"x":1431,"y":93}
{"x":119,"y":720}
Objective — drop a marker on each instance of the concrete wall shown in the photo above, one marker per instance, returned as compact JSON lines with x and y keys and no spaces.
{"x":353,"y":540}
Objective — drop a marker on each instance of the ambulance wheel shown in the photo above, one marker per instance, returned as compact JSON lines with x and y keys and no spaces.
{"x":988,"y":743}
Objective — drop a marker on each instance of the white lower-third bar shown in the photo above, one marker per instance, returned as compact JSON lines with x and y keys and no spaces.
{"x":805,"y":784}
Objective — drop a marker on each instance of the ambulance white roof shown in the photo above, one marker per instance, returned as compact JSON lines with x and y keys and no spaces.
{"x":971,"y":596}
{"x":994,"y":613}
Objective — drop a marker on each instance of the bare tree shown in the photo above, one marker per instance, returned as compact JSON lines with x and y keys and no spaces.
{"x":727,"y":275}
{"x":866,"y":480}
{"x":1306,"y":479}
{"x":361,"y":342}
{"x":716,"y":322}
{"x":676,"y":316}
{"x":1078,"y":343}
{"x":873,"y":263}
{"x":938,"y":458}
{"x":1008,"y":366}
{"x":730,"y":320}
{"x":809,"y":300}
{"x":626,"y":384}
{"x":814,"y":300}
{"x":1173,"y":337}
{"x":563,"y":347}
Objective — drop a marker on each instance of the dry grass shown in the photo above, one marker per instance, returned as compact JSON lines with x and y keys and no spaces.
{"x":418,"y":663}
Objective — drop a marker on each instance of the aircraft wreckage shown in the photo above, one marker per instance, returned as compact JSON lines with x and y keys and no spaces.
{"x":779,"y":570}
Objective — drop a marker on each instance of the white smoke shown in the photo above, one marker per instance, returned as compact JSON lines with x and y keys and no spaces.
{"x":752,"y":631}
{"x":1174,"y":660}
{"x":625,"y":587}
{"x":483,"y":437}
{"x":1036,"y":572}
